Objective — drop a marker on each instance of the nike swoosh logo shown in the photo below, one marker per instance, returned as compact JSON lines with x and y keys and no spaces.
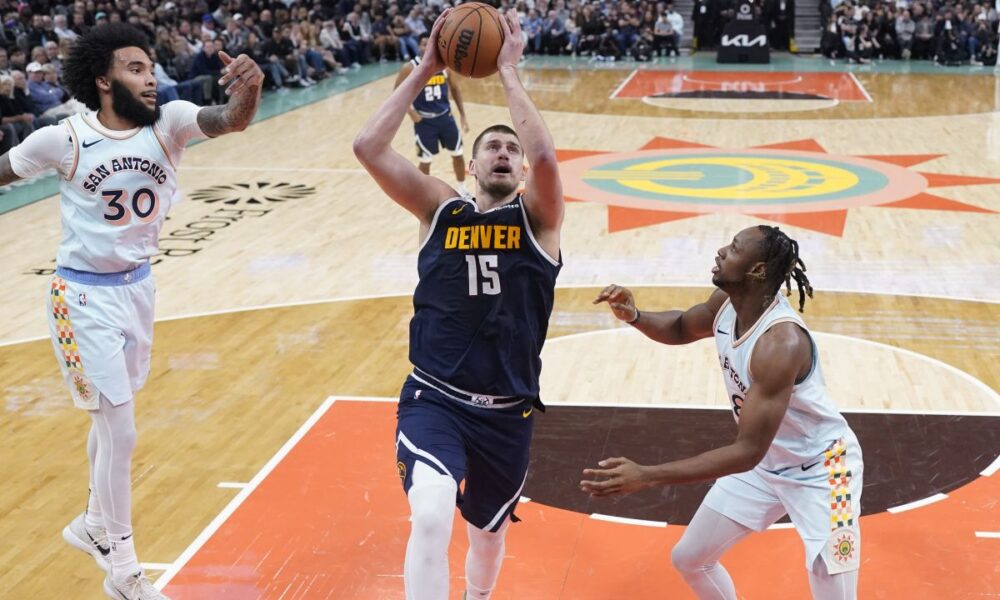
{"x":455,"y":211}
{"x":102,"y":549}
{"x":527,"y":413}
{"x":807,"y":467}
{"x":89,"y":144}
{"x":722,"y":332}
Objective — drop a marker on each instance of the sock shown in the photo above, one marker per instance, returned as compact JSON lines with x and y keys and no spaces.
{"x":93,"y":518}
{"x":123,"y":559}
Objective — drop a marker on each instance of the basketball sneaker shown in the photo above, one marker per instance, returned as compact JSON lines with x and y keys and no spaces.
{"x":92,"y":541}
{"x":134,"y":587}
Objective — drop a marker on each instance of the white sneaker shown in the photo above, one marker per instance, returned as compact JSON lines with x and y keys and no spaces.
{"x":93,"y":542}
{"x":134,"y":587}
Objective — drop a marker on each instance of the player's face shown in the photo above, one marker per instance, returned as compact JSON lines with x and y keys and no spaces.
{"x":498,"y":164}
{"x":735,"y":262}
{"x":132,"y":86}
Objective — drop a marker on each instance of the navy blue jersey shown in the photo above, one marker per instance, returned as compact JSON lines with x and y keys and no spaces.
{"x":433,"y":99}
{"x":482,"y":306}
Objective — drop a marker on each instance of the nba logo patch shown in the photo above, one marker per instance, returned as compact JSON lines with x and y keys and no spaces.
{"x":83,"y":299}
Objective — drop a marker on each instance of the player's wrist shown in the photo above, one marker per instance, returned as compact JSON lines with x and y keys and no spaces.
{"x":634,"y":320}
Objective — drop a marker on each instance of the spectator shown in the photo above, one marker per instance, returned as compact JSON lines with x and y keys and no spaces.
{"x":351,"y":32}
{"x":16,"y":124}
{"x":207,"y":68}
{"x":905,"y":27}
{"x":62,"y":29}
{"x":665,"y":39}
{"x":407,"y":43}
{"x":553,"y":33}
{"x":49,"y":98}
{"x":169,"y":89}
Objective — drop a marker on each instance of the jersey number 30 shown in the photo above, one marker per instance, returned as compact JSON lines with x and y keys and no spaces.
{"x":143,"y":204}
{"x":483,"y":276}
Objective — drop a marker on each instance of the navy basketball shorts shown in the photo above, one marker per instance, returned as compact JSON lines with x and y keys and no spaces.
{"x":437,"y":132}
{"x":487,"y":448}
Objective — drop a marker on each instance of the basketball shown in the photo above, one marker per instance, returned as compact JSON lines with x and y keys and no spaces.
{"x":470,"y":39}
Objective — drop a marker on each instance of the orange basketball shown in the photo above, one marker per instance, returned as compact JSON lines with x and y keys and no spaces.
{"x":470,"y":39}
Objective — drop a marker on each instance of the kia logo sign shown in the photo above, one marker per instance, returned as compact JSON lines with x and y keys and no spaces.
{"x":744,"y":41}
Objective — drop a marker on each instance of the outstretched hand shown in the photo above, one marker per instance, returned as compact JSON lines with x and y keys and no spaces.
{"x":620,"y":300}
{"x":617,"y":477}
{"x":432,"y":55}
{"x":240,"y":74}
{"x":513,"y":42}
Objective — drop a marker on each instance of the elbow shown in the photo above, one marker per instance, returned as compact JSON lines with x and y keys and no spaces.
{"x":361,"y":147}
{"x":749,"y":456}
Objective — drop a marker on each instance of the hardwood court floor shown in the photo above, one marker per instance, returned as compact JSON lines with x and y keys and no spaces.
{"x":283,"y":214}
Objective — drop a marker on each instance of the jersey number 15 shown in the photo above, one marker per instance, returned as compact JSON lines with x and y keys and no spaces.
{"x":483,"y":276}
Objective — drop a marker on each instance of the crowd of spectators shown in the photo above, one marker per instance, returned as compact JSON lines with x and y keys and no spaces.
{"x":298,"y":42}
{"x":949,"y":32}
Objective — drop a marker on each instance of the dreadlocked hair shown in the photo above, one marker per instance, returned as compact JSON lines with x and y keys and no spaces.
{"x":781,"y":257}
{"x":90,"y":57}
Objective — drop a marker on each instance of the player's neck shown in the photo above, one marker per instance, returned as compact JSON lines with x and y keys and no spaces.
{"x":487,"y":202}
{"x":749,"y":307}
{"x":109,"y":119}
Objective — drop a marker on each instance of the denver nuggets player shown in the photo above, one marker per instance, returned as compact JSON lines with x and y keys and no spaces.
{"x":487,"y":271}
{"x":118,"y":168}
{"x":433,"y":123}
{"x":794,"y":453}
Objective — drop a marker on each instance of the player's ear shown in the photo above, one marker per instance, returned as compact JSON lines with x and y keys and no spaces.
{"x":524,"y":171}
{"x":472,"y":167}
{"x":758,"y":272}
{"x":103,"y":83}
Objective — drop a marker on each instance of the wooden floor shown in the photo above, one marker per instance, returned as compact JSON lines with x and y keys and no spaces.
{"x":286,"y":278}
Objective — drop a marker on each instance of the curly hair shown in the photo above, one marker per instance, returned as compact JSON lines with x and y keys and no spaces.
{"x":90,"y":57}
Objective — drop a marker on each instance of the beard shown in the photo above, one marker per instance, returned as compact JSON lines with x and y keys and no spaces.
{"x":498,"y":189}
{"x":126,"y":106}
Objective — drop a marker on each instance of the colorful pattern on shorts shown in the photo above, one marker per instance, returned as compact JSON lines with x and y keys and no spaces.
{"x":66,"y":339}
{"x":840,"y":490}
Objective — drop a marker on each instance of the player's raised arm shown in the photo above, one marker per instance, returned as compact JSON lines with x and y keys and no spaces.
{"x":398,"y":177}
{"x":669,"y":327}
{"x":543,"y":189}
{"x":244,"y":80}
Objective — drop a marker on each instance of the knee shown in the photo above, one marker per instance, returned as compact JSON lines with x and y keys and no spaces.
{"x":486,"y":541}
{"x":685,"y":558}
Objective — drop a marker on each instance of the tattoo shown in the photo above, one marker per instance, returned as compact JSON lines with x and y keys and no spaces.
{"x":233,"y":116}
{"x":7,"y":174}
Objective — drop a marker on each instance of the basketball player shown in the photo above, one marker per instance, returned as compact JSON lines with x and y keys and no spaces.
{"x":433,"y":123}
{"x":794,"y":453}
{"x":118,"y":168}
{"x":487,"y":268}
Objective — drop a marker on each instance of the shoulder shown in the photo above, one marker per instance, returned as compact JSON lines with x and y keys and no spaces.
{"x":782,"y":347}
{"x":177,"y":115}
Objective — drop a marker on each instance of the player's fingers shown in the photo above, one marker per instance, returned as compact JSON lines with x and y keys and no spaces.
{"x":505,"y":24}
{"x":225,"y":58}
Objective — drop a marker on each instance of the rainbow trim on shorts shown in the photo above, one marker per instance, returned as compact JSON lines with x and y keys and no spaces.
{"x":67,"y":341}
{"x":840,"y":491}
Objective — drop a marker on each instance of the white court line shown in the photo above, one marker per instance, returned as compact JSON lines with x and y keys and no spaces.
{"x":572,"y":286}
{"x":622,"y":85}
{"x":626,"y":521}
{"x":283,"y":169}
{"x":985,"y":389}
{"x":917,"y":504}
{"x":857,"y":82}
{"x":988,"y":534}
{"x":231,"y":485}
{"x":156,"y":566}
{"x":993,"y":468}
{"x":782,"y":526}
{"x":235,"y":503}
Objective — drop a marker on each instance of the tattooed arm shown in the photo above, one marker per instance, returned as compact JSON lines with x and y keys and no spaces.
{"x":244,"y":79}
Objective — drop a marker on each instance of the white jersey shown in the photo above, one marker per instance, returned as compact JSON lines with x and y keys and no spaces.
{"x":117,"y":186}
{"x":812,"y":422}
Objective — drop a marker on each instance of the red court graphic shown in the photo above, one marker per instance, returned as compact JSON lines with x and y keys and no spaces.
{"x":330,"y":521}
{"x":775,"y":85}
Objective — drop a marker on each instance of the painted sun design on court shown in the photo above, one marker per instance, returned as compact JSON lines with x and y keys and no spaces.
{"x":253,"y":193}
{"x":796,"y":183}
